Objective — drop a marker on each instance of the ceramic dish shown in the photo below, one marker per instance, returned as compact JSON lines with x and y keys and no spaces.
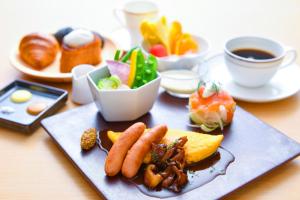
{"x":254,"y":145}
{"x":20,"y":119}
{"x":125,"y":104}
{"x":52,"y":73}
{"x":184,"y":61}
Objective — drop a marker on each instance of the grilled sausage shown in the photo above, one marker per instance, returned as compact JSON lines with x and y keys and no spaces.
{"x":118,"y":151}
{"x":138,"y":151}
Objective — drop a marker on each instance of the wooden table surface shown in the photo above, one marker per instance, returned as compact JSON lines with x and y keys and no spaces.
{"x":32,"y":167}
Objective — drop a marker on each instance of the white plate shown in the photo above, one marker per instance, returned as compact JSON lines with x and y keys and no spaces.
{"x":284,"y":84}
{"x":52,"y":72}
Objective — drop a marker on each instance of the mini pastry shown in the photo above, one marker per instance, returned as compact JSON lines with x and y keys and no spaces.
{"x":20,"y":96}
{"x":38,"y":50}
{"x":61,"y":33}
{"x":80,"y":47}
{"x":36,"y":108}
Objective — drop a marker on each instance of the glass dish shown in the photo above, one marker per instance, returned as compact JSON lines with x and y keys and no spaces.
{"x":182,"y":82}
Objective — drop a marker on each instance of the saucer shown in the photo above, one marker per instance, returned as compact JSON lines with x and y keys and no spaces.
{"x":284,"y":84}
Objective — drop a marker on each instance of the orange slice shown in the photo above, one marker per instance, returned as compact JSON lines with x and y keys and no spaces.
{"x":174,"y":35}
{"x":185,"y":44}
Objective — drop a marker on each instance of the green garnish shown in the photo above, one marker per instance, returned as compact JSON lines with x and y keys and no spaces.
{"x":215,"y":87}
{"x":210,"y":89}
{"x":127,"y":55}
{"x":200,"y":84}
{"x":170,"y":146}
{"x":154,"y":157}
{"x":117,"y":55}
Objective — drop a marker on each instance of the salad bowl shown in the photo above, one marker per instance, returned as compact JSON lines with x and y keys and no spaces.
{"x":122,"y":104}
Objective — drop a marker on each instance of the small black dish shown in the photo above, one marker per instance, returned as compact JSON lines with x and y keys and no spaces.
{"x":20,"y":119}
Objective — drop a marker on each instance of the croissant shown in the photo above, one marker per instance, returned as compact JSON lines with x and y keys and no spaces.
{"x":89,"y":53}
{"x":38,"y":50}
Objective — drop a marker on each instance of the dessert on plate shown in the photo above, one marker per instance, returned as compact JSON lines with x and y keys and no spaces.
{"x":76,"y":46}
{"x":80,"y":47}
{"x":38,"y":50}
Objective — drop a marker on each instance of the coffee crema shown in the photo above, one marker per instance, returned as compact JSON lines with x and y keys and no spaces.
{"x":256,"y":54}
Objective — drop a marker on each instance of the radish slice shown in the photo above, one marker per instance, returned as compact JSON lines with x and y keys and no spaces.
{"x":119,"y":69}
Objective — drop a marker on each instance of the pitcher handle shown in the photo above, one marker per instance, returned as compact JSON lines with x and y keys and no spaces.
{"x":118,"y":12}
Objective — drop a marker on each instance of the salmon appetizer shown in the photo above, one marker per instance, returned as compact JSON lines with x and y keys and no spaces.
{"x":210,"y":107}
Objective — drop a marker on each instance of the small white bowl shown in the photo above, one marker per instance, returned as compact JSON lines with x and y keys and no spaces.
{"x":125,"y":104}
{"x":183,"y":61}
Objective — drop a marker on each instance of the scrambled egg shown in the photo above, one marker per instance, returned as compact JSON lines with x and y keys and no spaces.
{"x":198,"y":147}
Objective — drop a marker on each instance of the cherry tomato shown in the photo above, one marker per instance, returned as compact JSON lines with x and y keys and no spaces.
{"x":158,"y":50}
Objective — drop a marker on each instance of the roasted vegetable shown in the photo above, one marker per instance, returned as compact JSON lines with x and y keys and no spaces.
{"x":150,"y":178}
{"x":168,"y":162}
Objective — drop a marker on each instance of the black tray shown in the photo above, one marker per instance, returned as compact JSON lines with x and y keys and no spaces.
{"x":257,"y":148}
{"x":20,"y":120}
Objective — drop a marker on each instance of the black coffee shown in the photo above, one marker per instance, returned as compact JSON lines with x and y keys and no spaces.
{"x":256,"y":54}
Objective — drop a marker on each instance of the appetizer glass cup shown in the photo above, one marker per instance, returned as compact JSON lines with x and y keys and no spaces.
{"x":124,"y":104}
{"x":183,"y":82}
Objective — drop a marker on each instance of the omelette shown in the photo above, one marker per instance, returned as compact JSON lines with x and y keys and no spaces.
{"x":198,"y":147}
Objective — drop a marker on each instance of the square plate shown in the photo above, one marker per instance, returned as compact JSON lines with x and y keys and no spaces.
{"x":22,"y":121}
{"x":257,"y":148}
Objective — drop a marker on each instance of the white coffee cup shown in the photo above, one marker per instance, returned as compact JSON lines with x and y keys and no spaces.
{"x":251,"y":72}
{"x":132,"y":13}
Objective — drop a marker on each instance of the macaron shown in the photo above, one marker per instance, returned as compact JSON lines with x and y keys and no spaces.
{"x":36,"y":108}
{"x":20,"y":96}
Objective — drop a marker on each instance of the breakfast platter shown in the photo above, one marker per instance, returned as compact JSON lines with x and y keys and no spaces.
{"x":158,"y":117}
{"x":250,"y":149}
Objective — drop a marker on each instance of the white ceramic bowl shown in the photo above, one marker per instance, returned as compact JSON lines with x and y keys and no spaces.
{"x":183,"y":61}
{"x":122,"y":105}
